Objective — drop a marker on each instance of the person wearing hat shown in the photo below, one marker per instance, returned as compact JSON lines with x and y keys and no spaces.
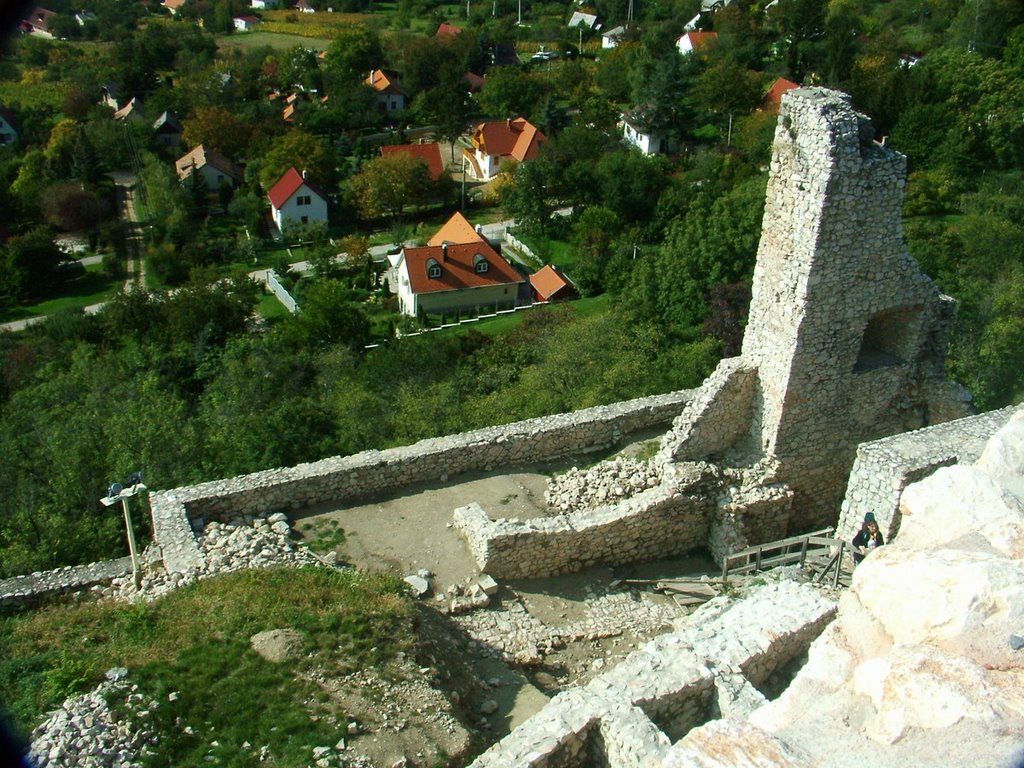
{"x":868,"y":539}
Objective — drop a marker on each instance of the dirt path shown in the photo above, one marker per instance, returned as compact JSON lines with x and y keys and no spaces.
{"x":581,"y":623}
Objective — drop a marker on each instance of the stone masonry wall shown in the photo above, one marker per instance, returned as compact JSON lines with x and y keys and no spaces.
{"x":844,"y":330}
{"x":709,"y":668}
{"x":663,"y":521}
{"x":884,"y":468}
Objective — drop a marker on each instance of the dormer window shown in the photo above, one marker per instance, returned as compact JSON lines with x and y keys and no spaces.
{"x":433,"y":269}
{"x":480,"y":263}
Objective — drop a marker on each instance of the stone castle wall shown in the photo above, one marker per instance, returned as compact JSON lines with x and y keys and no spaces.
{"x":178,"y":512}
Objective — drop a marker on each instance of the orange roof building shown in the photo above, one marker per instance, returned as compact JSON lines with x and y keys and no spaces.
{"x":457,"y":230}
{"x":550,"y":284}
{"x":773,"y":99}
{"x":390,"y":94}
{"x":497,"y":141}
{"x":428,"y":153}
{"x":447,"y":277}
{"x":696,"y":41}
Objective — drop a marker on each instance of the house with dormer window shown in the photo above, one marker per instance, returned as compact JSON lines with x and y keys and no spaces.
{"x":296,"y":200}
{"x":446,"y":278}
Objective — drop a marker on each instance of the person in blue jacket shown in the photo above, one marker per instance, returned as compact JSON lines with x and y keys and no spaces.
{"x":867,"y":539}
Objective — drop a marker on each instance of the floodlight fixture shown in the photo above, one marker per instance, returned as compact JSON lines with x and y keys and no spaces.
{"x":117,"y":492}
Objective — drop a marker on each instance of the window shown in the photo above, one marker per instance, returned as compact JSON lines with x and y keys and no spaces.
{"x":304,"y":200}
{"x":480,"y":263}
{"x":305,"y":219}
{"x":433,"y":269}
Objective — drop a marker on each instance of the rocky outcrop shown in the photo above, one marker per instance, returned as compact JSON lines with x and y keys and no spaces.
{"x":920,"y":667}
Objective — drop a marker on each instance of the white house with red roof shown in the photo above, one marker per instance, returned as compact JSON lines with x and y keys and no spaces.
{"x":8,"y":129}
{"x":466,"y":277}
{"x":430,"y":154}
{"x":296,"y":200}
{"x":391,"y":96}
{"x":245,"y":23}
{"x":458,"y":270}
{"x":692,"y":42}
{"x":498,"y":141}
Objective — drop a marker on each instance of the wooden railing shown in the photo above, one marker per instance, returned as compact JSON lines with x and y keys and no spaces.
{"x":794,"y":549}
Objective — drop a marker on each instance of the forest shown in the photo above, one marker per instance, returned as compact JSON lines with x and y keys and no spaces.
{"x":198,"y":383}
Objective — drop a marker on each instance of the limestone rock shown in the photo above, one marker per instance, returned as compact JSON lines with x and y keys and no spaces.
{"x":732,"y":744}
{"x":277,"y":645}
{"x":929,"y":596}
{"x":982,"y":506}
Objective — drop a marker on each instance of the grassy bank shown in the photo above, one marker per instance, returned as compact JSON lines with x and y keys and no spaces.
{"x":195,"y":642}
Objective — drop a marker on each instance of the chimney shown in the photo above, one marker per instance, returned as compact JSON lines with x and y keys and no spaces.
{"x":444,"y":252}
{"x":303,"y":174}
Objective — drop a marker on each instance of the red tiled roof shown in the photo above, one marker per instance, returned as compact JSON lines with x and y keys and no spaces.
{"x":288,"y":185}
{"x":428,"y":153}
{"x":381,"y":82}
{"x":445,"y":29}
{"x":773,"y":99}
{"x":548,"y":282}
{"x":456,"y":230}
{"x":700,"y":40}
{"x":474,"y":81}
{"x":458,"y":267}
{"x":516,"y":138}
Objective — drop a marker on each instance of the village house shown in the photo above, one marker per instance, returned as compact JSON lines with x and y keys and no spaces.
{"x":8,"y":126}
{"x":430,"y":154}
{"x":38,"y":22}
{"x":582,"y":19}
{"x":213,"y":167}
{"x":168,"y":130}
{"x":264,"y":4}
{"x":457,"y":230}
{"x":612,"y":37}
{"x":245,"y":23}
{"x":304,"y":7}
{"x":390,"y":94}
{"x":692,"y":42}
{"x":131,"y":111}
{"x":446,"y":31}
{"x":499,"y":141}
{"x":549,"y":283}
{"x":637,"y":133}
{"x":174,"y":6}
{"x":294,"y":199}
{"x":773,"y":99}
{"x":455,"y":277}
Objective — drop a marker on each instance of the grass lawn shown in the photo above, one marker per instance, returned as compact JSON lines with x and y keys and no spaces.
{"x":496,"y":326}
{"x":91,"y":287}
{"x":195,"y":642}
{"x":270,"y":308}
{"x":557,"y":252}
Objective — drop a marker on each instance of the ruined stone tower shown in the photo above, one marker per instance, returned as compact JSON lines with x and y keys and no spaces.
{"x":847,"y":335}
{"x":846,"y":339}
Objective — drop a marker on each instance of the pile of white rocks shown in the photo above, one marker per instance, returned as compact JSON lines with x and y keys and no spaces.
{"x":241,"y":544}
{"x":87,"y":732}
{"x":605,"y":483}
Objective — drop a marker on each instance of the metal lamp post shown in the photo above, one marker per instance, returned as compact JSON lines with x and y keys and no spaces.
{"x":118,"y":492}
